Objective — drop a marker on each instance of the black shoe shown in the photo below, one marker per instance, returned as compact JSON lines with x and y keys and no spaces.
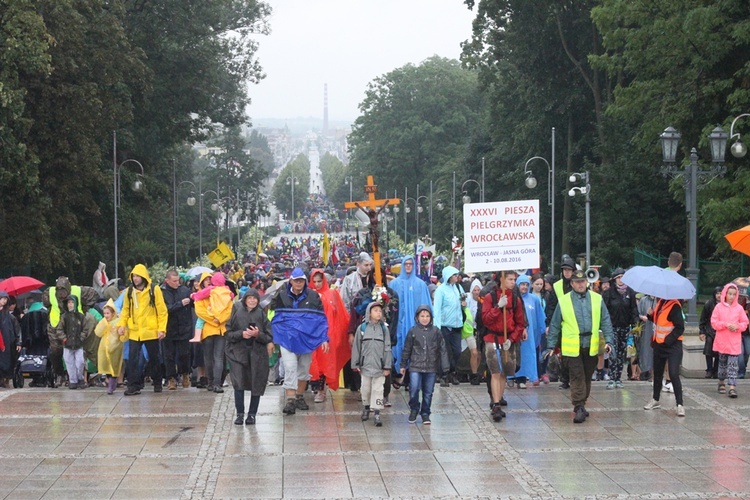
{"x":413,"y":416}
{"x":365,"y":413}
{"x":444,"y":382}
{"x":240,"y":418}
{"x":132,"y":391}
{"x":580,"y":415}
{"x":454,"y":379}
{"x":475,"y":379}
{"x":503,"y":402}
{"x":497,"y":413}
{"x":157,"y":388}
{"x":564,"y":385}
{"x":585,"y":411}
{"x":217,"y":389}
{"x":250,"y":420}
{"x":290,"y":408}
{"x":202,"y":383}
{"x":73,"y":386}
{"x":301,"y":404}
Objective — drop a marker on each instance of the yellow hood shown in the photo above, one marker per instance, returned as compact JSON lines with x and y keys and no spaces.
{"x":141,"y":271}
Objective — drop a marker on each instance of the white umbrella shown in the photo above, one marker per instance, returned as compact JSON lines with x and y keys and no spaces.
{"x":198,"y":270}
{"x":658,"y":282}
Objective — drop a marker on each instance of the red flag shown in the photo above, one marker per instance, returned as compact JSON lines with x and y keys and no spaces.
{"x":334,"y":254}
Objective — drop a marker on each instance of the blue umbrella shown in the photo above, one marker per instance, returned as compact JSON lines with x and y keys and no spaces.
{"x":661,"y":283}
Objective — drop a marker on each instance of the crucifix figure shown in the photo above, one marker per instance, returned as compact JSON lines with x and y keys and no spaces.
{"x":372,"y":208}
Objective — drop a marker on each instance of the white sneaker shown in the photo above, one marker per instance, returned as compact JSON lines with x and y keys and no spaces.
{"x":593,"y":376}
{"x":680,"y":411}
{"x":652,"y":405}
{"x":667,"y":387}
{"x":606,"y":376}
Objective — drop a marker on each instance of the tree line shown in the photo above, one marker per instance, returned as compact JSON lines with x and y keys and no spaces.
{"x":162,"y":76}
{"x":609,"y":76}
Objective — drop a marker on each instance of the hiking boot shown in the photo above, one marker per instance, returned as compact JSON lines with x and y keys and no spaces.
{"x":474,"y":379}
{"x":413,"y":416}
{"x":320,"y":397}
{"x":300,"y":403}
{"x":580,"y":415}
{"x":680,"y":411}
{"x":365,"y":413}
{"x":290,"y":408}
{"x":172,"y":385}
{"x":454,"y":379}
{"x":132,"y":391}
{"x":376,"y":419}
{"x":444,"y":382}
{"x":652,"y":405}
{"x":426,"y":420}
{"x":185,"y":381}
{"x":240,"y":419}
{"x":564,"y":385}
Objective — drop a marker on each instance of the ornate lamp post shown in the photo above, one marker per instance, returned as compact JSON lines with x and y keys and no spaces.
{"x":585,"y":190}
{"x":137,"y":186}
{"x":691,"y":175}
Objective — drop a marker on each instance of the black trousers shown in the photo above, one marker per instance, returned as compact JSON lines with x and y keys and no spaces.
{"x":673,"y":354}
{"x":176,"y":357}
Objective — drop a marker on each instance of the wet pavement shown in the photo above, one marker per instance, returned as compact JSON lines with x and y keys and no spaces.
{"x":58,"y":443}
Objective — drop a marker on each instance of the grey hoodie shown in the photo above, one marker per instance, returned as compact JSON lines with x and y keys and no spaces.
{"x":371,"y":350}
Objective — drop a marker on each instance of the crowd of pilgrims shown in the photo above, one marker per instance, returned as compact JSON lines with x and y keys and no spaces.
{"x":280,"y":319}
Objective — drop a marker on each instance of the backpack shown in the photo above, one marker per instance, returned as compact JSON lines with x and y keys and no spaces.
{"x":152,"y":301}
{"x":361,"y":300}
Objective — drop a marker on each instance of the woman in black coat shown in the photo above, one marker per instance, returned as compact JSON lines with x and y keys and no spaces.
{"x":248,"y":337}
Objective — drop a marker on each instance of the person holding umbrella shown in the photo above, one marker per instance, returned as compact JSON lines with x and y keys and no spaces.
{"x":579,"y":321}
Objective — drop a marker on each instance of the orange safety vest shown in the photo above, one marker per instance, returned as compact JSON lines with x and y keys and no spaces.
{"x":662,"y":326}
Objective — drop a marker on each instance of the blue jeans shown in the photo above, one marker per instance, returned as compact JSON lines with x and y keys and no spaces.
{"x":426,"y":383}
{"x":745,"y":355}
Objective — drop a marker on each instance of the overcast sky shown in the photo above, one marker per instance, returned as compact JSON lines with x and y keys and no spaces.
{"x":346,"y":44}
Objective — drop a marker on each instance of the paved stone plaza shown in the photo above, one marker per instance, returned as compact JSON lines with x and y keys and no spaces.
{"x":57,"y":443}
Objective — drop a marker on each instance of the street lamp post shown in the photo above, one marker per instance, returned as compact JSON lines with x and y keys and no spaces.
{"x":191,"y":203}
{"x":585,"y":190}
{"x":691,"y":174}
{"x":348,"y":180}
{"x":291,"y":181}
{"x":407,"y":211}
{"x":531,"y":184}
{"x":419,"y":210}
{"x":440,"y":205}
{"x":137,"y":186}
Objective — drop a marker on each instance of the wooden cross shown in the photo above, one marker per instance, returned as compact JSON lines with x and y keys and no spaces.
{"x":375,"y":206}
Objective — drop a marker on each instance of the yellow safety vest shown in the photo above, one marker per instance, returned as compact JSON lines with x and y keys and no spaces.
{"x":570,"y":339}
{"x":558,"y":288}
{"x":54,"y":312}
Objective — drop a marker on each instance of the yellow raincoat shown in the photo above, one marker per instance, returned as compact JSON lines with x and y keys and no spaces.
{"x":142,"y":320}
{"x":216,"y":309}
{"x":109,"y":358}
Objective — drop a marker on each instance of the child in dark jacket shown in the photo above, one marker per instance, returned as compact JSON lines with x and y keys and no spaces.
{"x":372,"y":357}
{"x":426,"y":356}
{"x":70,"y":329}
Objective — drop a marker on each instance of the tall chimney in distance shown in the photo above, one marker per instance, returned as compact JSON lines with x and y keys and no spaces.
{"x":325,"y":109}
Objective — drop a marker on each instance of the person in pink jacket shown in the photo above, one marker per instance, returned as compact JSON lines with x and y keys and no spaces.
{"x":729,"y":320}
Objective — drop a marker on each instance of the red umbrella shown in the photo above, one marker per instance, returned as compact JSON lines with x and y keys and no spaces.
{"x":16,"y":285}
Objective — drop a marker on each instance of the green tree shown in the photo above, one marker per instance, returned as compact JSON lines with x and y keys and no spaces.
{"x":420,"y":120}
{"x":260,"y":151}
{"x":299,"y":169}
{"x":334,"y":171}
{"x":24,"y":57}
